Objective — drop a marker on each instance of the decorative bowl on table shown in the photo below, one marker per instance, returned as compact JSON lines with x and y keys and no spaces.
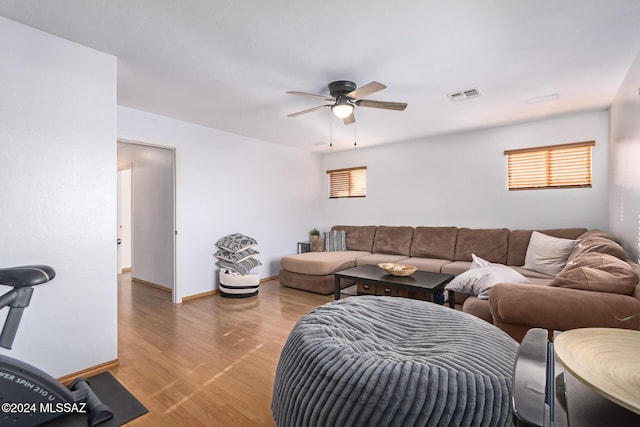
{"x":398,"y":269}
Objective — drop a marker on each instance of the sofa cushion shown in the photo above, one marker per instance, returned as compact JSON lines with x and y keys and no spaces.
{"x":319,"y":284}
{"x":427,"y":264}
{"x":456,"y":267}
{"x":375,"y":259}
{"x":547,"y":254}
{"x":598,"y":272}
{"x":593,"y":233}
{"x":434,"y":242}
{"x":519,"y":241}
{"x":478,"y":307}
{"x":600,"y":245}
{"x":516,"y":309}
{"x":320,"y":263}
{"x":539,"y":281}
{"x":393,"y":240}
{"x":358,"y":237}
{"x":490,"y":244}
{"x":530,"y":274}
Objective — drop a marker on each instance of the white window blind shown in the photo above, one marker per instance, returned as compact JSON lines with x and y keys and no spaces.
{"x":555,"y":166}
{"x":350,"y":182}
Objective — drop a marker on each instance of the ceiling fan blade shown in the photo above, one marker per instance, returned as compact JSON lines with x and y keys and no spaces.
{"x":366,"y":90}
{"x":351,"y":118}
{"x":323,"y":97}
{"x":299,"y":113}
{"x":399,"y":106}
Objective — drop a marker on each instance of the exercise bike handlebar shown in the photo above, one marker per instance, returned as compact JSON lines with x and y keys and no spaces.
{"x":22,"y":279}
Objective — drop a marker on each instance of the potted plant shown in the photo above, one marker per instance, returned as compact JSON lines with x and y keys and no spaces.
{"x":315,"y":233}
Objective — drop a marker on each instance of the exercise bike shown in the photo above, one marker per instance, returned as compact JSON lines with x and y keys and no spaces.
{"x":29,"y":396}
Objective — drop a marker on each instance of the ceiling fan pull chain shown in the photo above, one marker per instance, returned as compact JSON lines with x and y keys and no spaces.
{"x":355,"y":143}
{"x":330,"y":133}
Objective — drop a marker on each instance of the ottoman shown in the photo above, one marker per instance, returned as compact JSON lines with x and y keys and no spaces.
{"x":385,"y":361}
{"x":313,"y":271}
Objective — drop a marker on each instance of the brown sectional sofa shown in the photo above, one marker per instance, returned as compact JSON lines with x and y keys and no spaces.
{"x":515,"y":308}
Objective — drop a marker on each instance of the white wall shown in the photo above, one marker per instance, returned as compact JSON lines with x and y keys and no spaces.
{"x":624,"y":216}
{"x":152,"y":213}
{"x":58,"y":156}
{"x":228,"y":183}
{"x":461,"y":180}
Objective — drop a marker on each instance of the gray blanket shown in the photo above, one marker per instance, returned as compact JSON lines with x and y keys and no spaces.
{"x":382,"y":361}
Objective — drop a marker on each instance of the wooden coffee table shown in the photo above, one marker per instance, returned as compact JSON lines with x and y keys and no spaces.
{"x":421,"y":281}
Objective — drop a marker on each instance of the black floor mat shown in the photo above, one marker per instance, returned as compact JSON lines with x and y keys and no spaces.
{"x":124,"y":405}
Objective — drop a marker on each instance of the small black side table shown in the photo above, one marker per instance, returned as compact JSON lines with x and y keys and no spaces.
{"x":304,"y":247}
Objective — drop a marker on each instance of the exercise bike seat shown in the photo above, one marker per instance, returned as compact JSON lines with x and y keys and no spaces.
{"x":26,"y":276}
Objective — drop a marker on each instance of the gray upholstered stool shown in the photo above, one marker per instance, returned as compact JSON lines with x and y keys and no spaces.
{"x":387,"y":361}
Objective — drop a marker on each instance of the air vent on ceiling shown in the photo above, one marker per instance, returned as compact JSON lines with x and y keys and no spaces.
{"x":464,"y":94}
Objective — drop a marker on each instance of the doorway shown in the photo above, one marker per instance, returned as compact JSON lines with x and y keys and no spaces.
{"x":124,"y":219}
{"x":152,"y":238}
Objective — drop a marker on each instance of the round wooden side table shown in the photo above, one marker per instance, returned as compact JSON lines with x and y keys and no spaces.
{"x":607,"y":360}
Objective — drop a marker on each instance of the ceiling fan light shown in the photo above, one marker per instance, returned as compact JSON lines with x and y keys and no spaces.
{"x":342,"y":109}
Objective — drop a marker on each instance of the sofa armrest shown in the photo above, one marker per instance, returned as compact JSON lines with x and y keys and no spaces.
{"x":516,"y":308}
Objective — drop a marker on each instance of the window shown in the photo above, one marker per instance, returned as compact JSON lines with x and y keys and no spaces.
{"x":554,"y":166}
{"x":350,"y":182}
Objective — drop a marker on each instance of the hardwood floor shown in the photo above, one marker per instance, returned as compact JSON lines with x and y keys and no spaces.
{"x":207,"y":362}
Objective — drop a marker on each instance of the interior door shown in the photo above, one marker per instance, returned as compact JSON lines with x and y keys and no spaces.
{"x":124,"y":220}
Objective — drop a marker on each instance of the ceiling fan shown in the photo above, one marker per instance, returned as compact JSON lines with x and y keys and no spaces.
{"x":345,"y":96}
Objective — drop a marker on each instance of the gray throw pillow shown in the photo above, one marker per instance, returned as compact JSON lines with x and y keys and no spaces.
{"x":235,"y":256}
{"x":242,"y":267}
{"x":335,"y":241}
{"x":236,"y":242}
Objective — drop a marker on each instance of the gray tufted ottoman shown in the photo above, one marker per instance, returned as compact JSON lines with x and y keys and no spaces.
{"x":383,"y":361}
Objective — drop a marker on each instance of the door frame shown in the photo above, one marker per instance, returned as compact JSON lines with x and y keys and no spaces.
{"x":177,"y":285}
{"x":122,"y":168}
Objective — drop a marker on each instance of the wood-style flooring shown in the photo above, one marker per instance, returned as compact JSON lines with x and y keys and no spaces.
{"x":206,"y":362}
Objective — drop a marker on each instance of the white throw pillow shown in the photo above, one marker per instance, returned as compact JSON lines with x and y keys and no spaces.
{"x":479,"y":281}
{"x":479,"y":262}
{"x":548,"y":255}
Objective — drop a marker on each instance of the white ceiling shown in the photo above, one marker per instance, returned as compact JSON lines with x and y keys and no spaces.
{"x":228,"y":64}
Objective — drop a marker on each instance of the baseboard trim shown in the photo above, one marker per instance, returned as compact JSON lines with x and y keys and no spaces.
{"x":202,"y":295}
{"x":89,"y":372}
{"x":214,"y":292}
{"x":150,"y":284}
{"x":126,"y":269}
